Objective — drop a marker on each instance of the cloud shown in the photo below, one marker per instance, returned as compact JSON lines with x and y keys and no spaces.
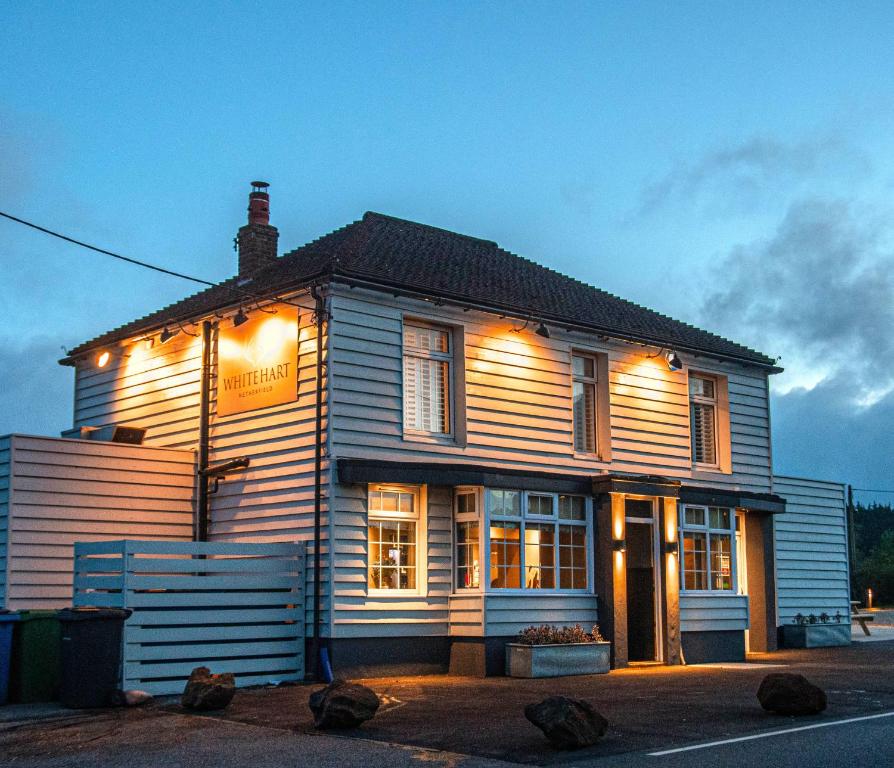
{"x":820,"y":291}
{"x":742,"y":175}
{"x":817,"y":433}
{"x":36,"y":397}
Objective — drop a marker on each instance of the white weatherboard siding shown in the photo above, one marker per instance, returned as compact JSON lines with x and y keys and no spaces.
{"x":518,"y":398}
{"x":63,"y":491}
{"x":507,"y":615}
{"x":722,"y":612}
{"x":811,"y":549}
{"x":158,"y":389}
{"x":359,"y":614}
{"x":4,"y":514}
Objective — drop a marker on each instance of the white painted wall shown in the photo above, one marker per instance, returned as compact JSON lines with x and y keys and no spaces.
{"x":61,"y":491}
{"x":811,"y":549}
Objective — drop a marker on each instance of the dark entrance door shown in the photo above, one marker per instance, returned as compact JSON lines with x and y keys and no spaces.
{"x":640,"y":592}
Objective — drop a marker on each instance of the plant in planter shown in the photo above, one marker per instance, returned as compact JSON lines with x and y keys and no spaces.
{"x":814,"y":631}
{"x":548,"y":651}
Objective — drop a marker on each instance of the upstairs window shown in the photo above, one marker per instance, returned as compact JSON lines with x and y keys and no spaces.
{"x":703,"y":419}
{"x":707,"y":548}
{"x":427,"y":373}
{"x":583,"y":373}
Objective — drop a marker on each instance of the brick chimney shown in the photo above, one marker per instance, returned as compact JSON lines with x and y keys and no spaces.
{"x":257,"y":240}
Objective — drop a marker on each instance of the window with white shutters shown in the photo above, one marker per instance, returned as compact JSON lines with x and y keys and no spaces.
{"x":703,"y":419}
{"x":583,"y":372}
{"x":428,"y":360}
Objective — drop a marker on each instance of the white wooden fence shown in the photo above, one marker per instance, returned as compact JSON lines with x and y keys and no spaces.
{"x":230,"y":607}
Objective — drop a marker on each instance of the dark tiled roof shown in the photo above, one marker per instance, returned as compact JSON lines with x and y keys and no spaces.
{"x":385,"y":251}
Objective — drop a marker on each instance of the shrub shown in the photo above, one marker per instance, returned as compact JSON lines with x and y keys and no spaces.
{"x":548,"y":635}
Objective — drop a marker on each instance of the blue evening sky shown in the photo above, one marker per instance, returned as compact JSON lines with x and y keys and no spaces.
{"x":729,"y":164}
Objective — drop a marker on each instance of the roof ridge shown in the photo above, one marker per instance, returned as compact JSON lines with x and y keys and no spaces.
{"x":439,"y":230}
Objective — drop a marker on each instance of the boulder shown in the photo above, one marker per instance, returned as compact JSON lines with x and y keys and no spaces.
{"x":342,"y":705}
{"x":567,"y":723}
{"x":205,"y":691}
{"x":789,"y":694}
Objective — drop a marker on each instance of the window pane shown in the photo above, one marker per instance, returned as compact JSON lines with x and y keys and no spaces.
{"x":505,"y":555}
{"x":583,"y":366}
{"x":540,"y":556}
{"x":392,"y":554}
{"x":426,"y":394}
{"x":695,"y":570}
{"x":572,"y":508}
{"x":703,"y":438}
{"x":504,"y":503}
{"x":584,"y":414}
{"x":424,"y":339}
{"x":694,"y":516}
{"x":701,"y":387}
{"x":572,"y":556}
{"x":466,"y":502}
{"x":719,"y":517}
{"x":721,"y":562}
{"x":467,"y":555}
{"x":540,"y":505}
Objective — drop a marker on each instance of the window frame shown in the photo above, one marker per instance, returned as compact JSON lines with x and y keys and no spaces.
{"x":714,"y":402}
{"x":469,"y":517}
{"x":419,"y":516}
{"x":708,"y":530}
{"x":591,"y":381}
{"x":586,"y":524}
{"x":449,"y":358}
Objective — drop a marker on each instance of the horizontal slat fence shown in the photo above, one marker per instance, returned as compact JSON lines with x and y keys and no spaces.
{"x":230,"y":607}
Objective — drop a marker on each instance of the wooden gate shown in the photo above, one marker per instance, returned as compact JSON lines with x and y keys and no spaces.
{"x":230,"y":607}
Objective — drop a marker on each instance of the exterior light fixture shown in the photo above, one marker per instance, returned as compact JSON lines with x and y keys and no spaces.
{"x":619,"y":545}
{"x":671,"y":547}
{"x":239,"y":318}
{"x":673,"y":361}
{"x":166,"y":335}
{"x":542,"y":330}
{"x":102,"y":359}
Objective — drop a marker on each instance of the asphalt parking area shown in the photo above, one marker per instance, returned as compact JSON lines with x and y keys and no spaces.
{"x":649,"y":709}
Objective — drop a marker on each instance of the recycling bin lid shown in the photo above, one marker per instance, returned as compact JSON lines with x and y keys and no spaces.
{"x":31,"y":615}
{"x":8,"y":616}
{"x":93,"y":614}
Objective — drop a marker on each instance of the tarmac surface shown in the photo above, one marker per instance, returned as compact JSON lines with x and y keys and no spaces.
{"x":471,"y":722}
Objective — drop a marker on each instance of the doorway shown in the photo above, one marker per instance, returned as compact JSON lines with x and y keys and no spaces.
{"x":642,"y":609}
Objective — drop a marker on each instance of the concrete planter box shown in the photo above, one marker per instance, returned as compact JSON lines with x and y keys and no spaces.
{"x":816,"y":635}
{"x":557,"y":660}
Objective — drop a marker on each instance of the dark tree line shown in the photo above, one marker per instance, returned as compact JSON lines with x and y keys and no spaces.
{"x":874,"y":555}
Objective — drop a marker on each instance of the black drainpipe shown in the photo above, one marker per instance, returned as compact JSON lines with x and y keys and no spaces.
{"x":319,"y":313}
{"x":201,"y":528}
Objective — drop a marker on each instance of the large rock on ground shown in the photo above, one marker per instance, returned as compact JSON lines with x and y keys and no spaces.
{"x":205,"y":691}
{"x":567,"y":723}
{"x":789,"y":694}
{"x":342,"y":705}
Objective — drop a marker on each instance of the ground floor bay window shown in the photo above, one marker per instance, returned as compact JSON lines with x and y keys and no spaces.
{"x":708,"y":562}
{"x":532,"y":541}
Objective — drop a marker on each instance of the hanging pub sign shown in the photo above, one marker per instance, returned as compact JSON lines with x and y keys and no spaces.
{"x":257,"y":361}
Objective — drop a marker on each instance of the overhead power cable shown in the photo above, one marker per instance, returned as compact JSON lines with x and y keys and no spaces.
{"x":139,"y":263}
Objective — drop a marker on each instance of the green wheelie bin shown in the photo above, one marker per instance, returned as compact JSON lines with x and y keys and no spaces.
{"x":36,"y":667}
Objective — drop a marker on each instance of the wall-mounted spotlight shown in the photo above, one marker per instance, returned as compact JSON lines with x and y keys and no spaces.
{"x":102,"y":359}
{"x":673,"y":360}
{"x":542,"y":330}
{"x":239,"y":318}
{"x":671,"y":547}
{"x":619,"y":545}
{"x":166,"y":334}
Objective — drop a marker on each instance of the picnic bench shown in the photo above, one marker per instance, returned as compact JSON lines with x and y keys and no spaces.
{"x":860,"y":618}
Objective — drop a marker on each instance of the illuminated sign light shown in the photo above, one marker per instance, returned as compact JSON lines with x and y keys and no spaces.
{"x":258,"y":362}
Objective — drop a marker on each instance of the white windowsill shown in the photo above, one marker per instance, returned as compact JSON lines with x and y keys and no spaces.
{"x":395,"y":593}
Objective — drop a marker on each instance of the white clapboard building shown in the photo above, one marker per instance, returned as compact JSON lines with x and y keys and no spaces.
{"x":469,"y":442}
